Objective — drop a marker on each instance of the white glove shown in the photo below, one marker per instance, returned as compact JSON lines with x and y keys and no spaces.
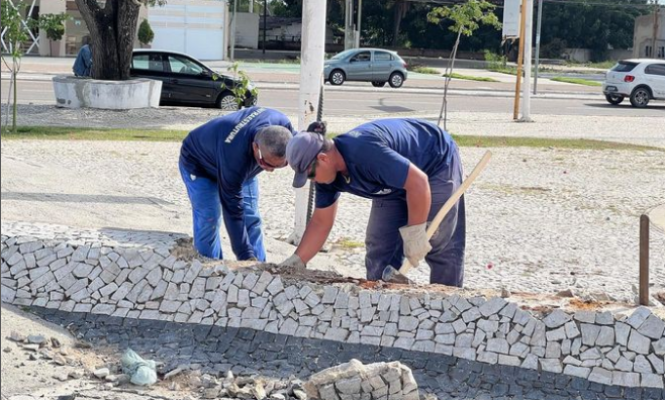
{"x":293,"y":263}
{"x":416,"y":245}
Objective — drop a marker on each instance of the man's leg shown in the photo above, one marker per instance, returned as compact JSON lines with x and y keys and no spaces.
{"x":250,"y":194}
{"x":383,"y":242}
{"x":206,"y":212}
{"x":446,"y":260}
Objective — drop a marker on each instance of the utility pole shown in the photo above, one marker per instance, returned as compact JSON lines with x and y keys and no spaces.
{"x":360,"y":11}
{"x":265,"y":24}
{"x":528,"y":52}
{"x":251,"y":6}
{"x":538,"y":30}
{"x":520,"y":60}
{"x":233,"y":29}
{"x":656,"y":9}
{"x":349,"y":39}
{"x":311,"y":84}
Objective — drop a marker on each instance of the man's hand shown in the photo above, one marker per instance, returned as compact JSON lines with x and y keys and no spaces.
{"x":292,"y":264}
{"x":416,"y":245}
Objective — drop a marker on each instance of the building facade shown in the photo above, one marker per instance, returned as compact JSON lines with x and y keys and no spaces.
{"x":648,"y":28}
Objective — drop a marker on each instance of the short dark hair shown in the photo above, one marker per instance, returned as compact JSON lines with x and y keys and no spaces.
{"x":274,"y":139}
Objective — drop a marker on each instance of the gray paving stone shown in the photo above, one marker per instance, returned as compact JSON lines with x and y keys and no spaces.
{"x":83,"y":308}
{"x":622,"y":331}
{"x":262,"y":284}
{"x":276,"y":286}
{"x":82,"y":270}
{"x":624,"y":379}
{"x":605,"y":336}
{"x":642,"y":365}
{"x":600,"y":375}
{"x":193,"y":271}
{"x":556,"y":319}
{"x":471,"y":315}
{"x":459,"y":326}
{"x":638,"y":343}
{"x":556,"y":335}
{"x":653,"y":327}
{"x":590,"y":334}
{"x":106,"y":309}
{"x":638,"y":317}
{"x":579,"y":372}
{"x":291,"y":292}
{"x":408,"y":323}
{"x":658,"y":363}
{"x":250,"y":281}
{"x":624,"y":364}
{"x":591,"y":354}
{"x":652,"y":381}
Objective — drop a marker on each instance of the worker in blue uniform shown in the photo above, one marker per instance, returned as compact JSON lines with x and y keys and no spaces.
{"x":219,"y":162}
{"x":409,"y":168}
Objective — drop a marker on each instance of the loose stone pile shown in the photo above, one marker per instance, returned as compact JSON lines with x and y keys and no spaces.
{"x":90,"y":272}
{"x":355,"y":381}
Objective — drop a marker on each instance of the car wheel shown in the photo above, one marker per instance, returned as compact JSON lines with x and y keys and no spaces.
{"x":337,"y":77}
{"x":378,"y":84}
{"x":615,"y":99}
{"x":227,"y":101}
{"x":396,"y":80}
{"x":640,"y":97}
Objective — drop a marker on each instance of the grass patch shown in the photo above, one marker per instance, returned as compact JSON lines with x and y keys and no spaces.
{"x":455,"y":75}
{"x":504,"y":70}
{"x":66,"y":133}
{"x":420,"y":69}
{"x":160,"y":135}
{"x":573,"y":144}
{"x":599,"y":65}
{"x":577,"y":81}
{"x":347,"y":243}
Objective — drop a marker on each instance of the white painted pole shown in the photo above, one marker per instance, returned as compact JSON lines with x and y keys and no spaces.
{"x":528,"y":51}
{"x":251,"y":6}
{"x":233,"y":29}
{"x":311,"y":79}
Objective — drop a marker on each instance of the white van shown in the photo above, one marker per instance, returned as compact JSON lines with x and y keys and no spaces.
{"x":641,"y":80}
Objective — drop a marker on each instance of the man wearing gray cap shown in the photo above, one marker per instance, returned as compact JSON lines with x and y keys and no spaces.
{"x":409,"y":168}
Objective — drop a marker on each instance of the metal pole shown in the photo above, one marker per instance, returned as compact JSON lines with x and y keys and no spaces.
{"x":251,"y":6}
{"x":654,"y":52}
{"x":644,"y":260}
{"x":520,"y":59}
{"x":538,"y":30}
{"x":233,"y":29}
{"x":360,"y":11}
{"x":349,"y":40}
{"x":311,"y":82}
{"x":528,"y":52}
{"x":265,"y":24}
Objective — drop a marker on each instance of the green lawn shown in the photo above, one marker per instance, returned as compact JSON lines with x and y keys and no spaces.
{"x":455,"y":75}
{"x":158,"y":135}
{"x":423,"y":70}
{"x":577,"y":81}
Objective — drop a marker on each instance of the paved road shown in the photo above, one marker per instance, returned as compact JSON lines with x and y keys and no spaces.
{"x":363,"y":101}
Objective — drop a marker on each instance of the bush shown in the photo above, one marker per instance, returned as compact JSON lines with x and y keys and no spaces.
{"x":494,"y":61}
{"x":554,"y":49}
{"x":146,"y":34}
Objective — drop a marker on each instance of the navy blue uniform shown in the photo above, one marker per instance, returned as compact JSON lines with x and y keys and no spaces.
{"x":377,"y":156}
{"x":218,"y":167}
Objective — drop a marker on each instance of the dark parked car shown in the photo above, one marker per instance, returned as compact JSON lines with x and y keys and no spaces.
{"x":366,"y":65}
{"x":186,"y":80}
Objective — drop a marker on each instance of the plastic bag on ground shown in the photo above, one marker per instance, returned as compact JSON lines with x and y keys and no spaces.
{"x":141,"y":372}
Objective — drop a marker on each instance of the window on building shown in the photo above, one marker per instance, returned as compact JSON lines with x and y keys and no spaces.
{"x":661,"y":52}
{"x":648,"y":51}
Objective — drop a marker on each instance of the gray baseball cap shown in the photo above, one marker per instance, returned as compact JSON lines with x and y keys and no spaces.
{"x":301,"y":151}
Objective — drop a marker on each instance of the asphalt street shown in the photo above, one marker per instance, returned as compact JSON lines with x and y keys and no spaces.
{"x":361,"y":100}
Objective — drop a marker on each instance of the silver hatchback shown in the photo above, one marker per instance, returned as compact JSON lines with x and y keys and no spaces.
{"x":366,"y":65}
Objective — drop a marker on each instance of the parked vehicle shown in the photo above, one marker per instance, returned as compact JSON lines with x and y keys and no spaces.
{"x":186,"y":80}
{"x":366,"y":65}
{"x":641,"y":80}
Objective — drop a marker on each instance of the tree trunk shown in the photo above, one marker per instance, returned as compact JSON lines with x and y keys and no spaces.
{"x":112,"y":32}
{"x":14,"y":72}
{"x":400,"y":10}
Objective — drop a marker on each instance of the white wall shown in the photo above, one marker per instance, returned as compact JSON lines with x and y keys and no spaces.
{"x":195,"y":27}
{"x":247,"y":30}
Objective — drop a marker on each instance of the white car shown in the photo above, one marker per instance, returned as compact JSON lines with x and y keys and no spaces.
{"x":641,"y":80}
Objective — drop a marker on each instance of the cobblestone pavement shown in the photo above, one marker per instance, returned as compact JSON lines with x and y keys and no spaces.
{"x":539,"y":220}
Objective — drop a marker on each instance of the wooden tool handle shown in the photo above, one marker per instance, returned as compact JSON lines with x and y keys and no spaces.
{"x":434,"y":225}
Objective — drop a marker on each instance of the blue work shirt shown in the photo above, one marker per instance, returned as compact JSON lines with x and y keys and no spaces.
{"x":83,"y":62}
{"x":221,"y":150}
{"x":378,"y":155}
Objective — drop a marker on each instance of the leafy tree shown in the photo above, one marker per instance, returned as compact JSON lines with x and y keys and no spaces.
{"x":242,"y":86}
{"x":146,"y":35}
{"x":112,"y":27}
{"x":466,"y":18}
{"x":11,"y":23}
{"x":53,"y":25}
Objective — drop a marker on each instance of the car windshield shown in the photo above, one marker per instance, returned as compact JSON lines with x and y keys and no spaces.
{"x":343,"y":55}
{"x":624,"y":66}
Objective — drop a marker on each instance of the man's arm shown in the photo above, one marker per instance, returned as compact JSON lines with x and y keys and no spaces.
{"x":418,"y":195}
{"x":317,"y":232}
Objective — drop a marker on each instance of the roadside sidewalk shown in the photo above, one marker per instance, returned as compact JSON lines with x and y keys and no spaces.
{"x":290,"y":74}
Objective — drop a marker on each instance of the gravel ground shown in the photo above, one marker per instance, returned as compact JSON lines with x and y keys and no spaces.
{"x":539,"y":220}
